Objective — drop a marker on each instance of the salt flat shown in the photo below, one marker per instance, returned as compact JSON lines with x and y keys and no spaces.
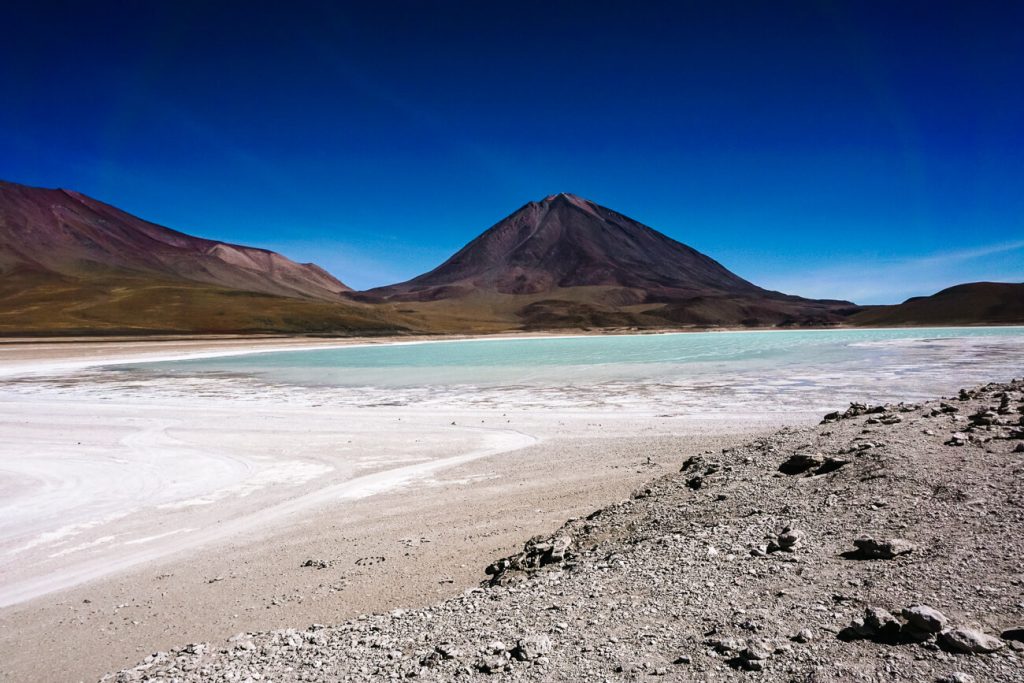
{"x":144,"y":509}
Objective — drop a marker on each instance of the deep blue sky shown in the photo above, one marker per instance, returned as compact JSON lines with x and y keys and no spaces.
{"x":864,"y":150}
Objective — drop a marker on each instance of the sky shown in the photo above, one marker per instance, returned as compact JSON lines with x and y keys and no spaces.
{"x":868,"y":151}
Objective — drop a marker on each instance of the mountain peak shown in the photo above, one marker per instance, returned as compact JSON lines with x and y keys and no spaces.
{"x":564,"y":195}
{"x":576,"y":200}
{"x":566,"y":241}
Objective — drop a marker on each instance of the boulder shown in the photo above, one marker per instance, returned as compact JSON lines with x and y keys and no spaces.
{"x":882,"y":549}
{"x":955,"y":677}
{"x":531,"y":647}
{"x":882,"y":623}
{"x":969,"y":640}
{"x":925,"y":618}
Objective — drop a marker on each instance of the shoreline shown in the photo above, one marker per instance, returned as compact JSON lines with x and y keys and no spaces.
{"x":231,"y":460}
{"x":629,"y":595}
{"x":15,"y":367}
{"x":422,"y":538}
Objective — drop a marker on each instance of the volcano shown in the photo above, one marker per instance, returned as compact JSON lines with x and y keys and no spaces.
{"x":566,"y":261}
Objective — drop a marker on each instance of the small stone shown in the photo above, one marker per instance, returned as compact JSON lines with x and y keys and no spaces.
{"x":559,"y":548}
{"x":925,"y":618}
{"x":448,"y":651}
{"x":789,"y":540}
{"x":882,"y":623}
{"x":804,"y":635}
{"x":955,"y":677}
{"x":727,"y":645}
{"x":493,"y":664}
{"x":873,"y":549}
{"x":957,"y":439}
{"x":316,"y":564}
{"x":757,"y":649}
{"x":968,"y":640}
{"x":531,"y":647}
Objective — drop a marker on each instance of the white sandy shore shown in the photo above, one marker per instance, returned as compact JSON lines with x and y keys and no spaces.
{"x":131,"y":523}
{"x":138,"y":514}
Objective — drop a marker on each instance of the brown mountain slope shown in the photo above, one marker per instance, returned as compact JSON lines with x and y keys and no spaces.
{"x":568,"y":262}
{"x":72,"y":265}
{"x":974,"y":303}
{"x":33,"y":304}
{"x":66,"y":233}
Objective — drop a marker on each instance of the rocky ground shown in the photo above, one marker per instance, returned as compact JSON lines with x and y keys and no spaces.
{"x":886,"y":543}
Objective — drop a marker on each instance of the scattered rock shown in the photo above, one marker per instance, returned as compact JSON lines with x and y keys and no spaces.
{"x":727,"y":646}
{"x":957,"y":439}
{"x":493,"y":664}
{"x":531,"y":647}
{"x":317,"y":564}
{"x":788,"y":540}
{"x":925,"y":618}
{"x":757,"y":648}
{"x":968,"y":640}
{"x":869,"y":548}
{"x":538,"y":552}
{"x":624,"y":590}
{"x":882,"y":624}
{"x":955,"y":677}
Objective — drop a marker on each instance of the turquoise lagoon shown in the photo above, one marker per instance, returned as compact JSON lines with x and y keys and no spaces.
{"x":690,"y":372}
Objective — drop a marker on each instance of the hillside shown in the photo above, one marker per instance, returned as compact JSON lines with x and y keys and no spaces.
{"x":70,"y":264}
{"x":975,"y":303}
{"x":567,"y":262}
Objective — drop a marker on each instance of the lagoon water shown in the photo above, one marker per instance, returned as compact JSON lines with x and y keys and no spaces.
{"x":689,"y":372}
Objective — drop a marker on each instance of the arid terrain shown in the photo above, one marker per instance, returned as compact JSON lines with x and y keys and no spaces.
{"x":230,"y":495}
{"x":880,"y":544}
{"x":73,"y":265}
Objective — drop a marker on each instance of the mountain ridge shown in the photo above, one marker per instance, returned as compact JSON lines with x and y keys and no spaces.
{"x":564,"y":244}
{"x":73,"y":264}
{"x":551,"y":223}
{"x":71,"y":234}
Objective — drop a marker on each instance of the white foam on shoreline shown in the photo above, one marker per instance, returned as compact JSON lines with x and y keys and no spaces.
{"x":102,"y":540}
{"x":156,"y":537}
{"x":42,"y":367}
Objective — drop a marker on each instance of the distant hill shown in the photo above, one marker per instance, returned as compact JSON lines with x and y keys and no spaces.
{"x":72,"y":264}
{"x":567,"y":262}
{"x":69,"y":234}
{"x":975,"y":303}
